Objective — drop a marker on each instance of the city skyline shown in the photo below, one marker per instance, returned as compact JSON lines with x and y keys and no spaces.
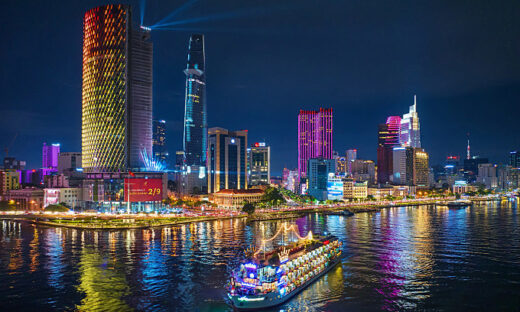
{"x":356,"y":113}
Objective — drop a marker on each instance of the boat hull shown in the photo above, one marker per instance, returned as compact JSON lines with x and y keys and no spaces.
{"x":244,"y":303}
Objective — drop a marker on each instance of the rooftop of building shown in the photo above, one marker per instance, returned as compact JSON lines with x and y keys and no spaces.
{"x":240,"y":192}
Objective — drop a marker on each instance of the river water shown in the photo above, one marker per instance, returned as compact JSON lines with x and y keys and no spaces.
{"x":407,"y":258}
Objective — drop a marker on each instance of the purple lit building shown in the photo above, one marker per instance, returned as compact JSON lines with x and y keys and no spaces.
{"x":388,"y":138}
{"x":314,"y":137}
{"x":50,"y":155}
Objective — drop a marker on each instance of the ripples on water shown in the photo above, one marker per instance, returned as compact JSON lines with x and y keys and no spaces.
{"x":409,"y":258}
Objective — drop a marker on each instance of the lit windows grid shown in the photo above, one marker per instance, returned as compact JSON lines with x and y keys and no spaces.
{"x":104,"y":88}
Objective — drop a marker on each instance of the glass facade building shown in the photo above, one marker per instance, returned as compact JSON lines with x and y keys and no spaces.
{"x":259,"y":164}
{"x":116,"y":91}
{"x":227,"y":159}
{"x":159,"y":140}
{"x":388,"y":138}
{"x":195,"y":120}
{"x":410,"y":128}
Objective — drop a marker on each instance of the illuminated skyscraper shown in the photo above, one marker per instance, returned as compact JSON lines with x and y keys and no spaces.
{"x":159,"y":140}
{"x":195,"y":120}
{"x":388,"y":138}
{"x":314,"y":137}
{"x":50,"y":155}
{"x":117,"y":91}
{"x":351,"y":156}
{"x":410,"y":128}
{"x":227,"y":159}
{"x":259,"y":164}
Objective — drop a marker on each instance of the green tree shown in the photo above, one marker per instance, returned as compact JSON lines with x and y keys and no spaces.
{"x":7,"y":206}
{"x":249,"y":208}
{"x":56,"y":208}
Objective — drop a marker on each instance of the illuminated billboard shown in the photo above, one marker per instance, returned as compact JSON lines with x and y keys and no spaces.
{"x":334,"y":188}
{"x":143,"y":190}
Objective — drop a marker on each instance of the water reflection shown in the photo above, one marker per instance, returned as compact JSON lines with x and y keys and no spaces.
{"x":102,"y":282}
{"x":408,"y":258}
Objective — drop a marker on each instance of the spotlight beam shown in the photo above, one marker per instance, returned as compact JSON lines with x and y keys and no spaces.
{"x":235,"y":14}
{"x":177,"y":11}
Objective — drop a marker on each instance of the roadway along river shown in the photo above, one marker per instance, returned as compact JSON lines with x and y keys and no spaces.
{"x":409,"y":258}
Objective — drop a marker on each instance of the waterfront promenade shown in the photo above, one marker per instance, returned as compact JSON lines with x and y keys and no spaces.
{"x":129,"y":221}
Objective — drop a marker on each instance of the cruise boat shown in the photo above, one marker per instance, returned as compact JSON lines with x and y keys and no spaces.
{"x":268,"y":279}
{"x":459,"y":203}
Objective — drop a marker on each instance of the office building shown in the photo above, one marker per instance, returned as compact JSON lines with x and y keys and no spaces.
{"x":353,"y":190}
{"x":13,"y":163}
{"x":314,"y":137}
{"x":29,"y":198}
{"x":334,"y":187}
{"x":9,"y":180}
{"x":71,"y":197}
{"x":351,"y":156}
{"x":259,"y":164}
{"x":341,"y":165}
{"x":159,"y":141}
{"x":399,"y":166}
{"x":69,"y":162}
{"x":471,"y":168}
{"x":514,"y":159}
{"x":410,"y":134}
{"x":418,"y":170}
{"x":195,"y":119}
{"x":227,"y":159}
{"x":50,"y":155}
{"x":487,"y":176}
{"x":364,"y":170}
{"x":318,"y":172}
{"x":388,"y":138}
{"x":117,"y":92}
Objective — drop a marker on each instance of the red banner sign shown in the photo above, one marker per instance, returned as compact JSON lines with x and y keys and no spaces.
{"x":141,"y":190}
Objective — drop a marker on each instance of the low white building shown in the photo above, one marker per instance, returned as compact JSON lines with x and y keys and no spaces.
{"x":70,"y":196}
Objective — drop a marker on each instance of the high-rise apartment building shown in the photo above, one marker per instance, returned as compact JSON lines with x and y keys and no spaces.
{"x":159,"y":141}
{"x":388,"y":138}
{"x":227,"y":159}
{"x":195,"y":120}
{"x":50,"y":155}
{"x":117,"y":91}
{"x":410,"y":134}
{"x":259,"y":164}
{"x":314,"y":137}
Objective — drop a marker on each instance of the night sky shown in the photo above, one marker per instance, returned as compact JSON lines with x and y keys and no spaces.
{"x":268,"y":59}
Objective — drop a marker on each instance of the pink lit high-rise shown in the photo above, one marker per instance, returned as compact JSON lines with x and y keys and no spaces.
{"x":314,"y":137}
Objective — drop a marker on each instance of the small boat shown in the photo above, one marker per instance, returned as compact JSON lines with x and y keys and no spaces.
{"x":345,"y":213}
{"x":270,"y":279}
{"x":460,"y":203}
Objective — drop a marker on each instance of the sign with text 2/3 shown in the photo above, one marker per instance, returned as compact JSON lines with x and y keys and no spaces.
{"x":141,"y":190}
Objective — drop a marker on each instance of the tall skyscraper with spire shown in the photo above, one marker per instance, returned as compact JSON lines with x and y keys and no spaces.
{"x":410,"y":127}
{"x":195,"y":119}
{"x":117,"y":91}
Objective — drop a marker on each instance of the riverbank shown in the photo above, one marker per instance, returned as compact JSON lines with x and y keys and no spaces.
{"x":120,"y":222}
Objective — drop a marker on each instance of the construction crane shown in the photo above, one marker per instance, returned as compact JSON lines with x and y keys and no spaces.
{"x":10,"y":144}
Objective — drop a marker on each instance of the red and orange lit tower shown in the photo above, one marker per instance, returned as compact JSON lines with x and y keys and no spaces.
{"x":116,"y":91}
